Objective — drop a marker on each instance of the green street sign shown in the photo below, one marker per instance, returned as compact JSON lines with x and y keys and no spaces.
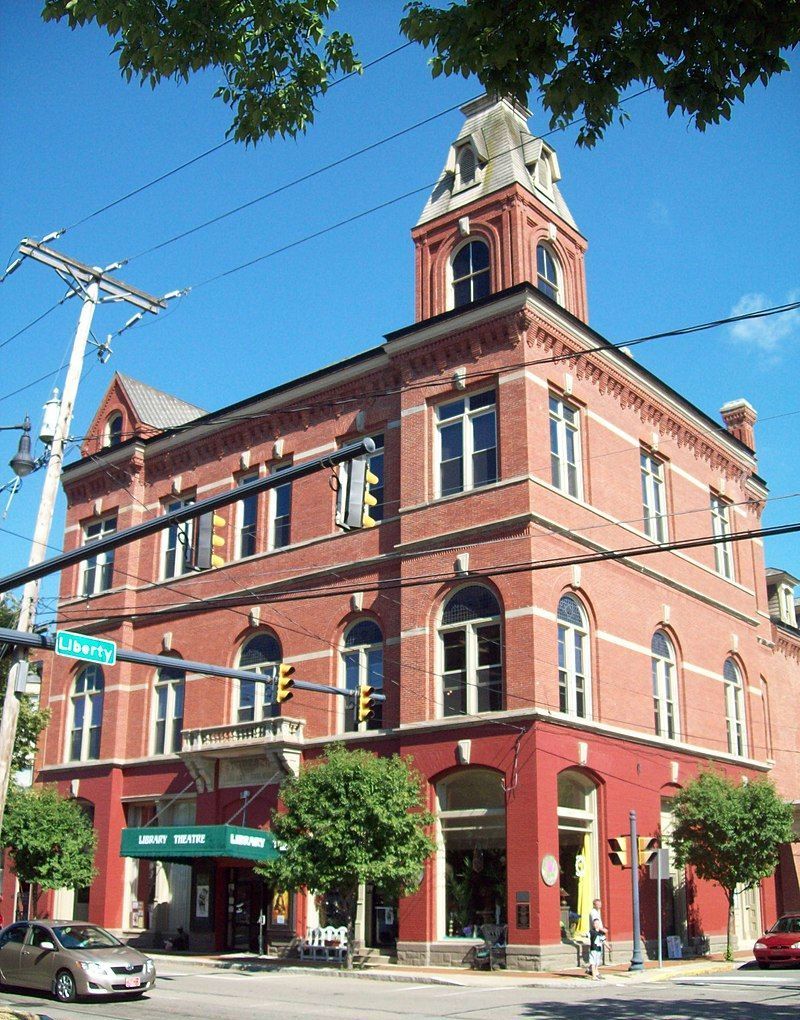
{"x":82,"y":646}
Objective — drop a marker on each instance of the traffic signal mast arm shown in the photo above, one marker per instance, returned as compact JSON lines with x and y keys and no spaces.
{"x":24,"y":638}
{"x":184,"y":513}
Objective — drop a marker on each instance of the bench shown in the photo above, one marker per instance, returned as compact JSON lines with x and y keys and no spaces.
{"x":327,"y":943}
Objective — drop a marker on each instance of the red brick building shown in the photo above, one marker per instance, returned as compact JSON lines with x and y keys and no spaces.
{"x":542,"y":699}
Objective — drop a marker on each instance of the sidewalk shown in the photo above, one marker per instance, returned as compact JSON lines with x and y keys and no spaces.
{"x":617,"y":974}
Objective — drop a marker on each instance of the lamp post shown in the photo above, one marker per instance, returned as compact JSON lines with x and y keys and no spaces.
{"x":22,"y":463}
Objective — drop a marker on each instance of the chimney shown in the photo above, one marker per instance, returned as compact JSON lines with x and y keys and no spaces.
{"x":740,"y":417}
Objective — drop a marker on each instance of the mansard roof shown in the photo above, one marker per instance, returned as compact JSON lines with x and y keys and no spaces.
{"x":506,"y":153}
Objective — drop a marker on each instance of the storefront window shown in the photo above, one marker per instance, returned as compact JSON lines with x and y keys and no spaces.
{"x":577,"y":852}
{"x":472,"y":856}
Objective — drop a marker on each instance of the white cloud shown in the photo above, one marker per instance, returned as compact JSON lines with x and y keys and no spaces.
{"x":767,"y":333}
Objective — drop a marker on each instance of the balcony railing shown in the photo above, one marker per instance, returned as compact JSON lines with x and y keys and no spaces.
{"x":244,"y":735}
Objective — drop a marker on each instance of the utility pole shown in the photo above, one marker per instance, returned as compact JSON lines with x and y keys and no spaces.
{"x":91,"y":282}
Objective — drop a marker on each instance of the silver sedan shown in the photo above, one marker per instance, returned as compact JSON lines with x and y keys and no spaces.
{"x":72,"y":959}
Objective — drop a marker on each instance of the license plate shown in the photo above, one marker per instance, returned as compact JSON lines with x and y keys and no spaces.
{"x":132,"y":982}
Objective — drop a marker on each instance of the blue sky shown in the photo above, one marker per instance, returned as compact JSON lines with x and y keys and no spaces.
{"x":682,"y":227}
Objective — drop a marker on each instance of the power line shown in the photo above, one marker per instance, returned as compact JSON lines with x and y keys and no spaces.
{"x":211,"y":151}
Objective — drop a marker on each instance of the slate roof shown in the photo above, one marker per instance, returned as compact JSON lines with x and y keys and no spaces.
{"x":507,"y":153}
{"x":156,"y":408}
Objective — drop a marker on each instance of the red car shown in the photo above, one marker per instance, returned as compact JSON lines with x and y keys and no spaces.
{"x":781,"y":944}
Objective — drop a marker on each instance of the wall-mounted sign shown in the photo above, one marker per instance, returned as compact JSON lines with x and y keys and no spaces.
{"x":550,"y":869}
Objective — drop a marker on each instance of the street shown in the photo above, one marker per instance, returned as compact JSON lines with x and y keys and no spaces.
{"x":228,"y":995}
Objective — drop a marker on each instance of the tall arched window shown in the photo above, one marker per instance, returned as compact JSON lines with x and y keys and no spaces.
{"x":734,"y":708}
{"x":362,"y":664}
{"x":86,"y":714}
{"x":665,"y":693}
{"x":471,"y":274}
{"x":261,"y":654}
{"x":472,"y":660}
{"x":472,"y":854}
{"x":168,"y":721}
{"x":573,"y":658}
{"x":577,"y":851}
{"x":113,"y":435}
{"x":547,"y":273}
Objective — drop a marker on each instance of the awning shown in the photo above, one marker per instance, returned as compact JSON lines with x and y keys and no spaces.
{"x":183,"y":843}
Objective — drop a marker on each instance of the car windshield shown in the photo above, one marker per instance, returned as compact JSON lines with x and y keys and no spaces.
{"x":785,"y":925}
{"x":84,"y":936}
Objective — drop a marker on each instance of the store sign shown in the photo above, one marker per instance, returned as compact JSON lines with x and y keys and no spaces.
{"x":182,"y":842}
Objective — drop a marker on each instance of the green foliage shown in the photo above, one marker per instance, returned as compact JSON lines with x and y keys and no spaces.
{"x":582,"y":55}
{"x":729,"y":832}
{"x":351,"y":817}
{"x":276,"y":56}
{"x":50,"y":839}
{"x":32,"y":720}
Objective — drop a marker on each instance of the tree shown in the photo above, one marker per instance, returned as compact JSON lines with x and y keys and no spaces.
{"x":730,"y":833}
{"x":582,"y":54}
{"x":50,"y":839}
{"x":32,"y":720}
{"x":277,"y":56}
{"x":349,"y":818}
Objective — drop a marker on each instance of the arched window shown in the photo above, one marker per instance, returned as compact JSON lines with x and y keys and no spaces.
{"x":471,"y":274}
{"x":467,"y":166}
{"x":573,"y":658}
{"x":734,"y":708}
{"x":362,"y":664}
{"x":86,"y":714}
{"x":665,"y":694}
{"x":113,"y":435}
{"x":168,"y":722}
{"x":472,"y":855}
{"x":577,"y":851}
{"x":472,"y":661}
{"x":547,"y":273}
{"x":261,"y":654}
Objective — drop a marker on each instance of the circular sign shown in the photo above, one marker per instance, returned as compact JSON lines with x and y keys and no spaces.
{"x":550,"y":869}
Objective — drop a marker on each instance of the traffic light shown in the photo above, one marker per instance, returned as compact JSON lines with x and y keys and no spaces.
{"x":208,"y":539}
{"x":618,"y":851}
{"x":355,"y":500}
{"x":648,"y":848}
{"x":285,"y":682}
{"x":365,"y":705}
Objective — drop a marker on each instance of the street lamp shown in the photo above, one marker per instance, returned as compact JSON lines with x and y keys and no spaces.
{"x":22,"y":463}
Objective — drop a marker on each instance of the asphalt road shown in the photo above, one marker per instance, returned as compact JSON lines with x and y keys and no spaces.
{"x":233,"y":995}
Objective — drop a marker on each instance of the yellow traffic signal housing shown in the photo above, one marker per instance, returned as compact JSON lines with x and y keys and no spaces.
{"x":285,"y":683}
{"x":355,"y":500}
{"x":209,"y":539}
{"x":366,"y":706}
{"x":648,"y":848}
{"x":618,"y":851}
{"x":370,"y":478}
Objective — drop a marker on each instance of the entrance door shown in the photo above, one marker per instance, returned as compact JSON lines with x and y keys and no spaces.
{"x":747,"y":918}
{"x":382,"y":912}
{"x":248,"y":899}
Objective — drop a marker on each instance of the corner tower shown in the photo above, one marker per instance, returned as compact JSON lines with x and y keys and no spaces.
{"x":496,"y":218}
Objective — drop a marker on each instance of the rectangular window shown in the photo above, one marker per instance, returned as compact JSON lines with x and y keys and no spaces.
{"x":98,"y":571}
{"x":721,"y":529}
{"x":565,"y":446}
{"x":654,"y":498}
{"x":467,"y":443}
{"x":248,"y":521}
{"x":180,"y":539}
{"x":281,"y":514}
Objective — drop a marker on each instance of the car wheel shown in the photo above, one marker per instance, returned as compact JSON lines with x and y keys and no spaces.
{"x":64,"y":987}
{"x":762,"y":964}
